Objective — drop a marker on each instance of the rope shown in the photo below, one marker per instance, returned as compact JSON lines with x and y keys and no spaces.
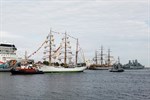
{"x":64,"y":33}
{"x":37,"y":50}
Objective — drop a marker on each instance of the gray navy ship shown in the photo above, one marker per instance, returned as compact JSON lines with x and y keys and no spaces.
{"x":133,"y":65}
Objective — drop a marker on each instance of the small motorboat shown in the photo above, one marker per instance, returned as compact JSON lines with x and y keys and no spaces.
{"x":25,"y":70}
{"x":117,"y":67}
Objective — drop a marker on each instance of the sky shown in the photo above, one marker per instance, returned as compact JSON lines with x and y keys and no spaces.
{"x":121,"y":25}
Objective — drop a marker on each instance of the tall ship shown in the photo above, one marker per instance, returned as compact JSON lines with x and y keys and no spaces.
{"x":102,"y":61}
{"x":60,"y":57}
{"x":134,"y":64}
{"x":7,"y":54}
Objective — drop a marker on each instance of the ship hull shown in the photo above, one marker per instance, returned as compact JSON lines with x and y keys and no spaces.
{"x":52,"y":69}
{"x":134,"y":67}
{"x":25,"y":71}
{"x":99,"y":68}
{"x":4,"y":68}
{"x":116,"y":70}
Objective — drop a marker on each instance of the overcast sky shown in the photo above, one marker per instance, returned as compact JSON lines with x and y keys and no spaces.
{"x":121,"y":25}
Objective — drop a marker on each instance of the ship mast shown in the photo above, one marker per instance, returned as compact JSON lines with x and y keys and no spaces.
{"x":50,"y":46}
{"x":25,"y":55}
{"x":96,"y":57}
{"x":77,"y":51}
{"x":65,"y":56}
{"x":101,"y":55}
{"x":26,"y":59}
{"x":108,"y":63}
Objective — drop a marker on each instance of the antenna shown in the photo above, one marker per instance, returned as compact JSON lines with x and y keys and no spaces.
{"x":118,"y":59}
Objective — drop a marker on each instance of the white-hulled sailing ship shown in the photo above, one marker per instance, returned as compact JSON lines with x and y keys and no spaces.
{"x":63,"y":52}
{"x":102,"y":61}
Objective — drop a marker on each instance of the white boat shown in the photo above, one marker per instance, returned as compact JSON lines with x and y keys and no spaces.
{"x":54,"y":54}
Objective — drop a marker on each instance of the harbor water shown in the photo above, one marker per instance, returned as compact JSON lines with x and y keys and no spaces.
{"x":89,"y":85}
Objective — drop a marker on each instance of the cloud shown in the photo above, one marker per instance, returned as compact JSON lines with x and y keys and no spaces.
{"x":7,"y":35}
{"x":118,"y":24}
